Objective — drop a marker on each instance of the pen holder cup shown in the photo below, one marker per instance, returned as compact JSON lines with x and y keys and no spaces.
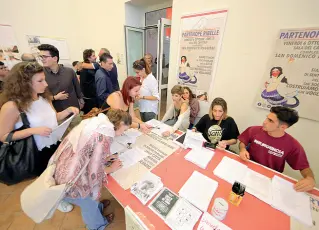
{"x":234,"y":198}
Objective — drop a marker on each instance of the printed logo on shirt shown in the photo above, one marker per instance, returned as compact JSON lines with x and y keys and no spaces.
{"x":215,"y":133}
{"x":271,"y":150}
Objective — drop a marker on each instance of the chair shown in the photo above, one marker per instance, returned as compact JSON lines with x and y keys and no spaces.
{"x":203,"y":110}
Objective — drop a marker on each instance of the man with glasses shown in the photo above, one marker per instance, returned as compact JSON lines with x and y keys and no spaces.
{"x":62,"y":81}
{"x":3,"y":73}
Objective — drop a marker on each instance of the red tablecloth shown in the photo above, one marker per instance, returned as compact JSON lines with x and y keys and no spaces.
{"x":175,"y":170}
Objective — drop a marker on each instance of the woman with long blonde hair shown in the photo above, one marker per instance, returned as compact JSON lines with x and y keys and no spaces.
{"x":216,"y":126}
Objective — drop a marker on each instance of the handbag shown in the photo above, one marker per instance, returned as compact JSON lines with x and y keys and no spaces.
{"x":17,"y":158}
{"x":41,"y":198}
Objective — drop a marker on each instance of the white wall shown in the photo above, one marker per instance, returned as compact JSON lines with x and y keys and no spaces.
{"x":249,"y":38}
{"x":134,"y":15}
{"x":83,"y":24}
{"x":159,"y":6}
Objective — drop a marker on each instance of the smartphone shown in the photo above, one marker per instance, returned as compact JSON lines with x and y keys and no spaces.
{"x":210,"y":145}
{"x":180,"y":140}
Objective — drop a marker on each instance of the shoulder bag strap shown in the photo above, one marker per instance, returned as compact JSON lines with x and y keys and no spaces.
{"x":9,"y":137}
{"x":25,"y":122}
{"x":24,"y":119}
{"x":72,"y":182}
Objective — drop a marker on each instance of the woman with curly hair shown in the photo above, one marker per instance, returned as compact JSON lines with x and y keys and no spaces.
{"x":25,"y":91}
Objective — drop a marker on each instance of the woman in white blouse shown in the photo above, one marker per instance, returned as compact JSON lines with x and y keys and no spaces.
{"x":149,"y":96}
{"x":26,"y":91}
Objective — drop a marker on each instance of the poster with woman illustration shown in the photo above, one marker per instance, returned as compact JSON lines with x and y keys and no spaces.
{"x":200,"y":42}
{"x":292,"y":74}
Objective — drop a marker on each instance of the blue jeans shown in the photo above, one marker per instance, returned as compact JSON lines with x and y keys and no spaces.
{"x":146,"y":116}
{"x":92,"y":212}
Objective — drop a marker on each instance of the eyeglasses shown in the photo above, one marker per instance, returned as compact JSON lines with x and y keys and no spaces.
{"x":31,"y":66}
{"x":44,"y":56}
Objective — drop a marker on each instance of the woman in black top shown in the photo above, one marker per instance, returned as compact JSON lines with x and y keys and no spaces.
{"x":216,"y":126}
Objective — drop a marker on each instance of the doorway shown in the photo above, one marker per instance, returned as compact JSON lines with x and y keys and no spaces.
{"x":151,"y":39}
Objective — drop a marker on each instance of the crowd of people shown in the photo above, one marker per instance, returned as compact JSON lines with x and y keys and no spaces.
{"x":50,"y":93}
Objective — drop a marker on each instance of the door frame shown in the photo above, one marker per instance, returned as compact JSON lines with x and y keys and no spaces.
{"x":130,"y":28}
{"x":160,"y":40}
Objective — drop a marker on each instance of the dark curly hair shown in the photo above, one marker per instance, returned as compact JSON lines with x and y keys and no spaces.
{"x":277,"y":67}
{"x":18,"y":88}
{"x":86,"y":54}
{"x":141,"y":64}
{"x":54,"y":52}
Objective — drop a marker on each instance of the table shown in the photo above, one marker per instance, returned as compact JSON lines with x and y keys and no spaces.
{"x":174,"y":171}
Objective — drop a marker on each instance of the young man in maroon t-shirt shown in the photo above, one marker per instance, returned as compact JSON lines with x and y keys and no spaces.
{"x":271,"y":146}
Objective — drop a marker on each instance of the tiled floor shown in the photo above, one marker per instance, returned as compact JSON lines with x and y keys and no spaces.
{"x":13,"y":218}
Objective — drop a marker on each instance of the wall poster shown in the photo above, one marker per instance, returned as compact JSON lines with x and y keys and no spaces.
{"x":292,"y":73}
{"x":199,"y":47}
{"x":59,"y":43}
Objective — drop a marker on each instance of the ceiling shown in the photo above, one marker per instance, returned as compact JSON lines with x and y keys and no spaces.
{"x":147,"y":2}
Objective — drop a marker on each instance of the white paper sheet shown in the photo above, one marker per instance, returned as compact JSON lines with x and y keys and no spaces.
{"x":161,"y":128}
{"x":117,"y":147}
{"x":132,"y":221}
{"x":208,"y":222}
{"x":124,"y":140}
{"x":200,"y":157}
{"x":131,"y":157}
{"x":199,"y":190}
{"x":58,"y":132}
{"x":231,"y":170}
{"x":296,"y":225}
{"x":183,"y":216}
{"x":153,"y":123}
{"x":287,"y":200}
{"x":194,"y":140}
{"x":133,"y":133}
{"x":258,"y":185}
